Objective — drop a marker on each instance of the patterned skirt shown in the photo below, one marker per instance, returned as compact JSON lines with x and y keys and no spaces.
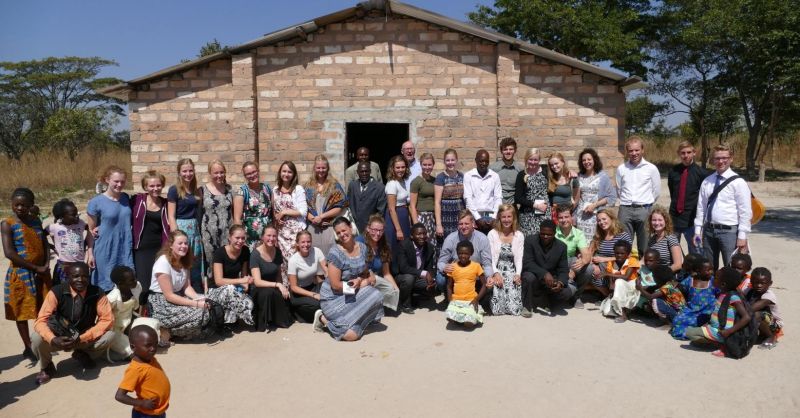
{"x":190,"y":228}
{"x":429,"y":220}
{"x":22,"y":302}
{"x":181,"y":321}
{"x":350,"y":312}
{"x":462,"y":311}
{"x":529,"y":221}
{"x":236,"y":304}
{"x":450,"y":210}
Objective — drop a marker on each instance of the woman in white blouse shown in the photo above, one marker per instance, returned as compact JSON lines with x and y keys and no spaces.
{"x":289,"y":207}
{"x":398,"y":221}
{"x":506,"y":244}
{"x":306,"y":272}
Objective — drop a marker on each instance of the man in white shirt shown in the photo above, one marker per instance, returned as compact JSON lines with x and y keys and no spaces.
{"x":638,"y":184}
{"x":482,"y":192}
{"x":722,"y":222}
{"x":414,"y":169}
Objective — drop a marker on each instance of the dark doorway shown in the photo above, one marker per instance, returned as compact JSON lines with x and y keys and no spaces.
{"x":384,"y":141}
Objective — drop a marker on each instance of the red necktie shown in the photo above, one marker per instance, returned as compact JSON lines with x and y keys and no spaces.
{"x":682,"y":190}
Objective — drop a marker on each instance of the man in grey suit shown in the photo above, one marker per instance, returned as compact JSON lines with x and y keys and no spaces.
{"x":365,"y":195}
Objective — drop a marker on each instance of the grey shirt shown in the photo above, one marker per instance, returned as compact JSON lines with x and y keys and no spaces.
{"x":508,"y":177}
{"x":375,"y":171}
{"x":482,"y":253}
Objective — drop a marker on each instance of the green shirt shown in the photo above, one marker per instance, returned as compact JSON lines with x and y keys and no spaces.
{"x":575,"y":241}
{"x":424,"y":190}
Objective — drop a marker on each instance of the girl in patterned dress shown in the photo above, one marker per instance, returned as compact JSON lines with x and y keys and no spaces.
{"x":289,"y":206}
{"x":700,"y":295}
{"x":252,"y":205}
{"x":28,"y":275}
{"x":531,"y":194}
{"x":71,"y":238}
{"x":736,"y":317}
{"x":217,"y":214}
{"x":596,"y":191}
{"x":448,"y":189}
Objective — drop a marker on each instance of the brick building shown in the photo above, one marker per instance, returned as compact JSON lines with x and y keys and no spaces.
{"x":375,"y":74}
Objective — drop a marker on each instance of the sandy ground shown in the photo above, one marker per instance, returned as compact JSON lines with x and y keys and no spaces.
{"x":574,"y":365}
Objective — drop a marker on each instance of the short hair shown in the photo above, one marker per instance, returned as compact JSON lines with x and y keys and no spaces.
{"x":744,"y":258}
{"x":60,"y":207}
{"x":118,"y":272}
{"x":662,"y":274}
{"x":426,"y":156}
{"x":636,"y":139}
{"x":730,"y":277}
{"x":691,"y":260}
{"x":465,"y":244}
{"x":293,"y":182}
{"x":621,"y":243}
{"x":248,"y":164}
{"x":722,"y":147}
{"x":464,"y":213}
{"x":111,"y":169}
{"x":390,"y":170}
{"x":508,"y":141}
{"x":138,"y":330}
{"x":547,"y":223}
{"x":684,"y":145}
{"x":598,"y":164}
{"x":25,"y":193}
{"x":563,"y":208}
{"x":761,"y":271}
{"x":418,"y":225}
{"x":150,"y":175}
{"x":651,"y":251}
{"x":78,"y":264}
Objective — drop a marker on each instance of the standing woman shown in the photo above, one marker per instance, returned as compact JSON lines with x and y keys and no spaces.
{"x":270,"y":295}
{"x":111,"y":212}
{"x":662,"y":239}
{"x":28,"y":275}
{"x":561,"y":190}
{"x":398,"y":225}
{"x":379,"y":258}
{"x":347,"y":315}
{"x":448,"y":195}
{"x":423,"y":195}
{"x":595,"y":193}
{"x":506,"y":244}
{"x":325,"y":200}
{"x":184,"y":211}
{"x":150,"y":228}
{"x":232,"y":277}
{"x":217,"y":216}
{"x":252,"y":205}
{"x":531,"y":194}
{"x":289,"y":206}
{"x":306,"y":270}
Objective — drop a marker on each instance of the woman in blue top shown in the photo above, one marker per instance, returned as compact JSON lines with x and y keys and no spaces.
{"x":184,"y":212}
{"x":110,"y":221}
{"x":349,"y":301}
{"x":379,"y":258}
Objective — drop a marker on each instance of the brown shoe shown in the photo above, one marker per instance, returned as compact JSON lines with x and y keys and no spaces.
{"x":46,"y":374}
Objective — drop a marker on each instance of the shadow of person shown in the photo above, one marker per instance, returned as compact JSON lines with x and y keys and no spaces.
{"x":9,"y":362}
{"x":372,"y":328}
{"x":11,"y":392}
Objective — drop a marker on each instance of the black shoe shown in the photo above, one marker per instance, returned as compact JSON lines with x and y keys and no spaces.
{"x":28,"y":354}
{"x":46,"y":374}
{"x":84,"y":359}
{"x":407,"y":309}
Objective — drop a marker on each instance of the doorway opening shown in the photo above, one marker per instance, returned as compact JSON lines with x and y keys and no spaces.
{"x":383,"y":140}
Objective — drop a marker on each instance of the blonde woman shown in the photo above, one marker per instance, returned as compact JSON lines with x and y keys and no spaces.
{"x":531,"y":194}
{"x":217,"y":214}
{"x":423,"y":197}
{"x":561,"y":189}
{"x":326,"y":200}
{"x":662,"y":239}
{"x":184,"y":211}
{"x":506,"y":243}
{"x":252,"y":205}
{"x":448,"y":195}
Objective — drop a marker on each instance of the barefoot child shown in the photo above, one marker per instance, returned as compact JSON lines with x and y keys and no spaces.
{"x":68,"y":231}
{"x":124,"y":300}
{"x":144,"y":376}
{"x":28,"y":275}
{"x":764,"y":304}
{"x":715,"y":332}
{"x":743,"y":263}
{"x":464,"y":308}
{"x":668,"y":299}
{"x":621,"y":274}
{"x":700,"y":294}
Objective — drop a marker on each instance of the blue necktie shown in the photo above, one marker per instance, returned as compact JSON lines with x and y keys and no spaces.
{"x":713,"y":201}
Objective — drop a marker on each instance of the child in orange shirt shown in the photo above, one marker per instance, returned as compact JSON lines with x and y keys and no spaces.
{"x":464,"y":307}
{"x":622,"y":274}
{"x":144,"y":376}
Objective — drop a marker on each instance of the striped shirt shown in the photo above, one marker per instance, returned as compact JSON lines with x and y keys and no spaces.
{"x":606,"y":248}
{"x":664,"y":248}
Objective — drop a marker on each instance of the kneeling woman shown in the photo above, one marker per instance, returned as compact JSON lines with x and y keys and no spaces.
{"x":348,"y":312}
{"x":232,"y":277}
{"x":173,"y":302}
{"x":269,"y":293}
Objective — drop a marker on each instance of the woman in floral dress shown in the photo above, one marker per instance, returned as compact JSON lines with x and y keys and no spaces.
{"x":506,"y":244}
{"x":596,"y":191}
{"x":217,"y":216}
{"x":289,"y":206}
{"x":252,"y":205}
{"x":531,"y":194}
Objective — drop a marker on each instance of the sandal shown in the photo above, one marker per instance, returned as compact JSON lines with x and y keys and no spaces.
{"x":768,"y":345}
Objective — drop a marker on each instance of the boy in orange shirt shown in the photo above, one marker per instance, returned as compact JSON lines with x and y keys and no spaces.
{"x":144,"y":376}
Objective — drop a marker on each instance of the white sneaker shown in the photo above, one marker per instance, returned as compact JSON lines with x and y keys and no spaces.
{"x":318,"y":326}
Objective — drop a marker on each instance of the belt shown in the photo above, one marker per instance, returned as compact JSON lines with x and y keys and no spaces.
{"x":635,"y":205}
{"x":721,"y":227}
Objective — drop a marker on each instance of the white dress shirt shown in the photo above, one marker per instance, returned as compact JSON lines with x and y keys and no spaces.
{"x":638,"y":184}
{"x":414,"y":171}
{"x":482,"y":194}
{"x":732,"y":207}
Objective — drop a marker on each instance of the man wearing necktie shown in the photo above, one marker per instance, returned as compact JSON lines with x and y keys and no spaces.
{"x":721,"y":224}
{"x":416,"y":266}
{"x":365,"y":196}
{"x":683,"y":181}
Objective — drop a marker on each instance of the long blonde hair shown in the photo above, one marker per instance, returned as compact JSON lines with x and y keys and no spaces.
{"x":330,"y":181}
{"x":615,"y":228}
{"x":514,"y":223}
{"x":552,"y":183}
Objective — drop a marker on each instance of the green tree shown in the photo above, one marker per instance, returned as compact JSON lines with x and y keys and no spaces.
{"x":210,"y":48}
{"x":591,"y":30}
{"x":640,"y":112}
{"x":74,"y":129}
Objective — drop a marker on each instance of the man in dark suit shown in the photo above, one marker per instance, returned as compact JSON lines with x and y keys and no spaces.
{"x":545,"y":271}
{"x":684,"y":180}
{"x":415,"y":264}
{"x":366,"y":196}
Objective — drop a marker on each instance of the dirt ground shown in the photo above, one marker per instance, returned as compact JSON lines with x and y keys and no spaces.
{"x":574,"y":365}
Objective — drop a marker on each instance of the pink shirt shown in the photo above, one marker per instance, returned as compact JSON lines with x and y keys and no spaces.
{"x":68,"y":240}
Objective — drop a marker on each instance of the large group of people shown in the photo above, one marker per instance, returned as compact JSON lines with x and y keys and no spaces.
{"x":503,"y":238}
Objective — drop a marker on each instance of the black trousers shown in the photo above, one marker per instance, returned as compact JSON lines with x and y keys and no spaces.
{"x":304,"y":307}
{"x":535,"y":294}
{"x":408,"y":284}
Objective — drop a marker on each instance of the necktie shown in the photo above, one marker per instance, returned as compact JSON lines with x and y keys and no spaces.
{"x":419,"y":258}
{"x":77,"y":309}
{"x":682,"y":190}
{"x":713,"y":201}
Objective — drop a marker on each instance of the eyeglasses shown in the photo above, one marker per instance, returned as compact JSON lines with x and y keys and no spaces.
{"x":375,"y":230}
{"x":722,"y":158}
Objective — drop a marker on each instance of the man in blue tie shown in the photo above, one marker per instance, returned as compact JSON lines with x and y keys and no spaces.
{"x":723,"y":214}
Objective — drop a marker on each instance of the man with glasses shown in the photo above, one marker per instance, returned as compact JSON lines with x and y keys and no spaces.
{"x":723,"y":214}
{"x":414,"y":168}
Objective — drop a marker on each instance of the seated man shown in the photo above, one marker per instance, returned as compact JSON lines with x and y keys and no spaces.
{"x":482,"y":192}
{"x":482,"y":253}
{"x":415,"y":263}
{"x":545,"y":272}
{"x":75,"y":316}
{"x":578,"y":255}
{"x":365,"y":196}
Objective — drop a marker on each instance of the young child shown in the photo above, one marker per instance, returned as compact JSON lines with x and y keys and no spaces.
{"x":144,"y":376}
{"x":764,"y":305}
{"x":668,"y":299}
{"x":28,"y":276}
{"x":464,"y":307}
{"x":68,"y":231}
{"x":689,"y":266}
{"x":124,"y":300}
{"x":700,"y":294}
{"x":621,"y":274}
{"x":726,"y":280}
{"x":743,"y":263}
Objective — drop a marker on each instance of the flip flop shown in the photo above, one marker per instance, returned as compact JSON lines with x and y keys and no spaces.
{"x":766,"y":345}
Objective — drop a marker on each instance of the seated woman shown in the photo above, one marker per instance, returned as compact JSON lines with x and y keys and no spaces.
{"x":348,"y":298}
{"x":306,"y":270}
{"x":659,"y":224}
{"x":506,"y":244}
{"x":173,"y":302}
{"x":608,"y":232}
{"x":379,"y":258}
{"x":270,"y":296}
{"x":232,"y":277}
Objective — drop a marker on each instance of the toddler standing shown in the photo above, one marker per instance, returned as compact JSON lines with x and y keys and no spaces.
{"x":145,"y":377}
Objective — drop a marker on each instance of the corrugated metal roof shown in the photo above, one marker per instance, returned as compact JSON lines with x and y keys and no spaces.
{"x":122,"y":90}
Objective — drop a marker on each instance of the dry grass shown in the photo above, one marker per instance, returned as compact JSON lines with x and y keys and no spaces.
{"x":52,"y":176}
{"x":783,"y":156}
